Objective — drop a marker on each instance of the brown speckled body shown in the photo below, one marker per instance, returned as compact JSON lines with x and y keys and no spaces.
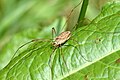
{"x":62,"y":38}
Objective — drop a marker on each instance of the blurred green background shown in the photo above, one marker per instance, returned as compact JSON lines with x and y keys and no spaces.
{"x":24,"y":20}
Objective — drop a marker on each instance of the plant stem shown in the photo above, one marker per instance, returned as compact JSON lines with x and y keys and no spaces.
{"x":82,"y":11}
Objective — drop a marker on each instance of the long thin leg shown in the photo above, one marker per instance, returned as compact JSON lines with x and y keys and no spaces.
{"x":29,"y":51}
{"x":51,"y":57}
{"x":63,"y":58}
{"x":49,"y":61}
{"x":80,"y":51}
{"x":68,"y":17}
{"x":53,"y":33}
{"x":20,"y":48}
{"x":60,"y":63}
{"x":26,"y":44}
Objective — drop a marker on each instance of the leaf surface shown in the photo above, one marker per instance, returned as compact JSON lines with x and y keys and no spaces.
{"x":92,"y":53}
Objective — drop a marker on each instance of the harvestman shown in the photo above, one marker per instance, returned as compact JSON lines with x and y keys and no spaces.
{"x":62,"y":38}
{"x":59,"y":40}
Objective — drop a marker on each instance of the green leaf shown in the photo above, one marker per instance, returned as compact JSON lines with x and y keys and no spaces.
{"x":97,"y":42}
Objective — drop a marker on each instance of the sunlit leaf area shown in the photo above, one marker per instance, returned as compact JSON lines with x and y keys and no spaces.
{"x":59,"y":39}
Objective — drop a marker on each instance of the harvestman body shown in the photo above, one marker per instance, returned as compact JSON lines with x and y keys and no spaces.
{"x":62,"y":38}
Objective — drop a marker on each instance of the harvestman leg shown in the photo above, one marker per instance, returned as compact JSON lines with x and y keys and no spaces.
{"x":60,"y":61}
{"x":80,"y":51}
{"x":59,"y":58}
{"x":51,"y":56}
{"x":68,"y":17}
{"x":63,"y":58}
{"x":53,"y":50}
{"x":34,"y":40}
{"x":53,"y":34}
{"x":20,"y":48}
